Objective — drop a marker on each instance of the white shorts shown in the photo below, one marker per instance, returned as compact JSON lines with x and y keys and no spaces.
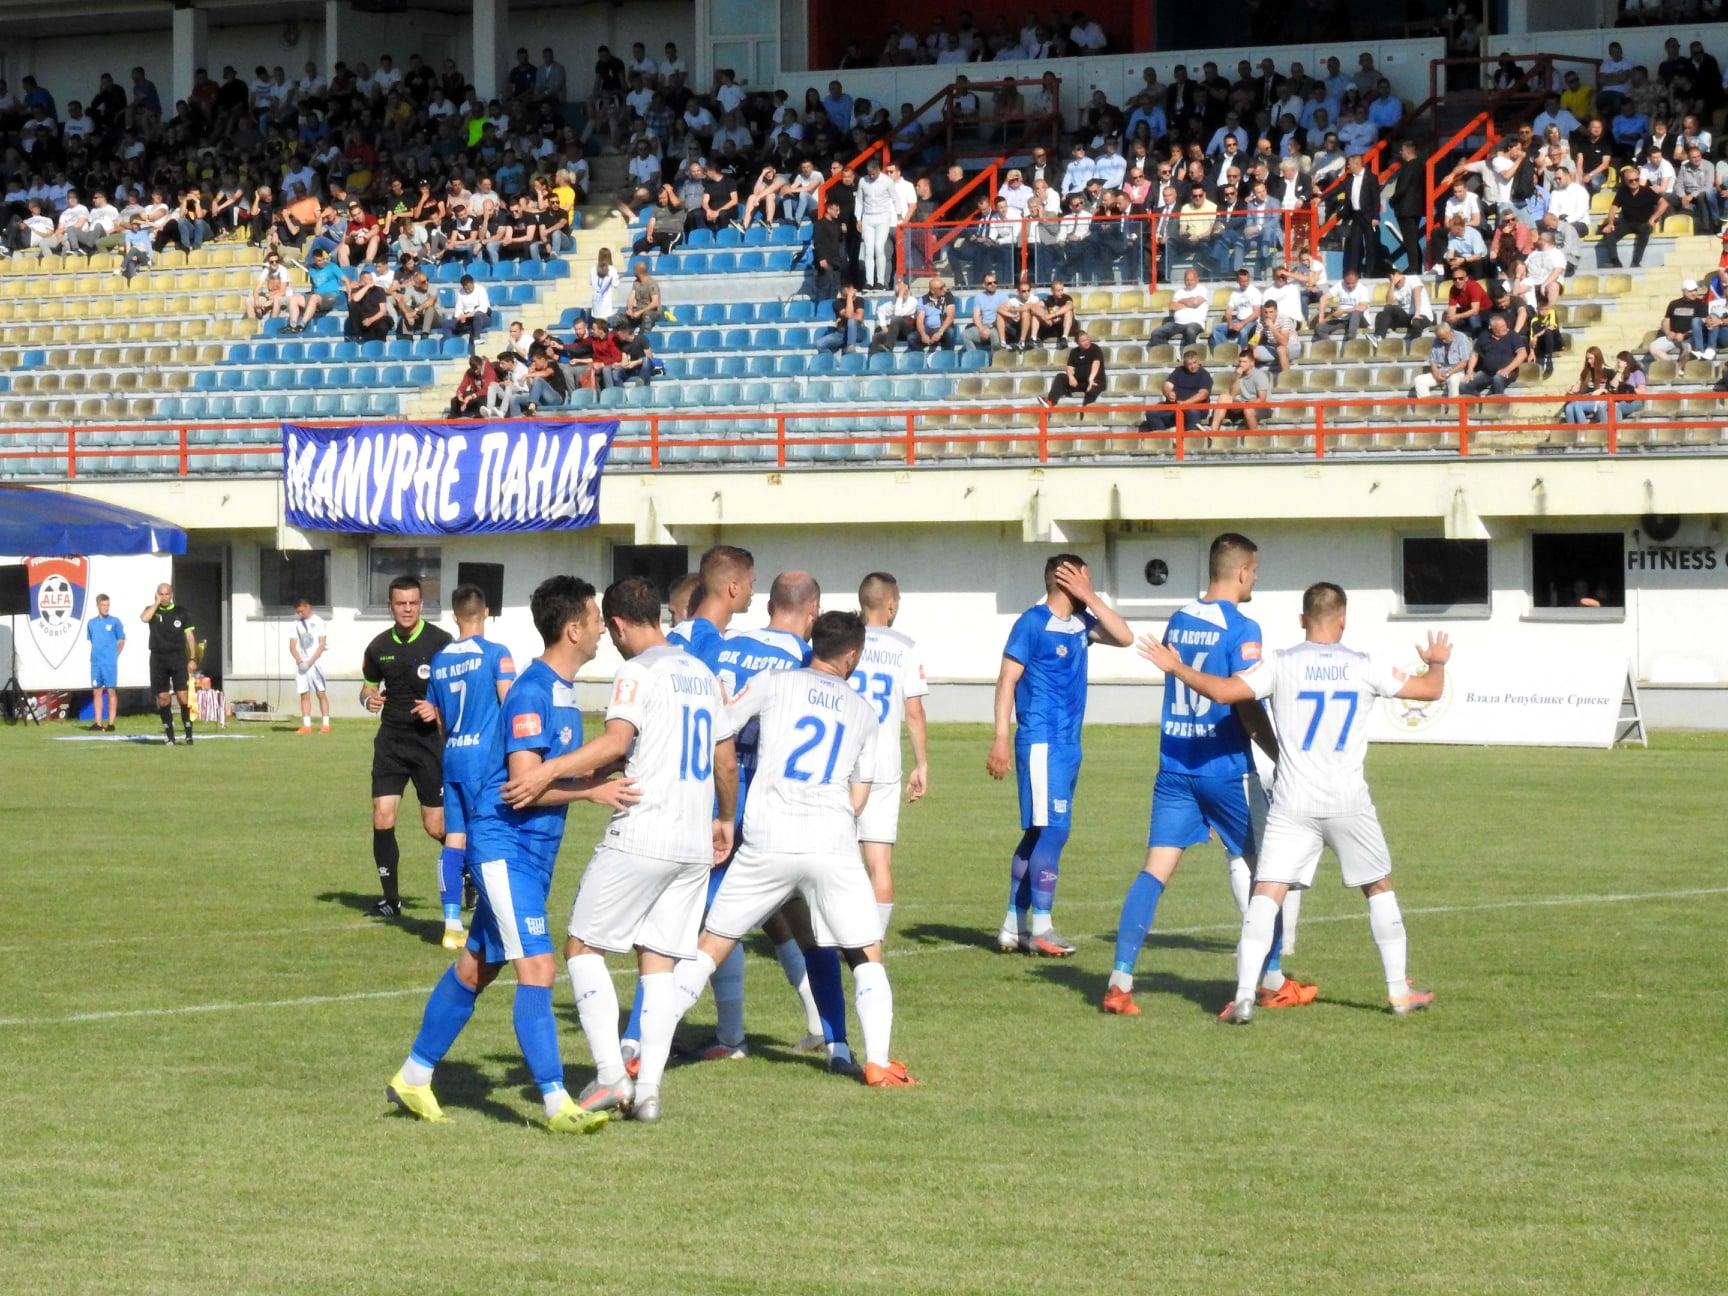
{"x":836,"y":887}
{"x":629,"y":900}
{"x":1290,"y":850}
{"x":310,"y":681}
{"x":880,"y":821}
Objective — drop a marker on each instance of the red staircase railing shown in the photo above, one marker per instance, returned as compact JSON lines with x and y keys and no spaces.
{"x":1483,"y":122}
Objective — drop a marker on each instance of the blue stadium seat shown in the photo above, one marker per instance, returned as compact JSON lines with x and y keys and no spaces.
{"x":731,"y":366}
{"x":298,"y":405}
{"x":698,"y":238}
{"x":611,"y":398}
{"x":934,"y":388}
{"x":398,"y":349}
{"x":426,"y":348}
{"x":421,"y":375}
{"x":568,"y":319}
{"x":671,"y":265}
{"x":696,"y":262}
{"x":800,"y":337}
{"x":769,"y":339}
{"x":345,"y":352}
{"x":326,"y":405}
{"x":531,"y":270}
{"x":691,"y":394}
{"x":290,"y":352}
{"x":380,"y":403}
{"x":761,"y":366}
{"x":232,"y":379}
{"x":821,"y":363}
{"x":363,"y":375}
{"x":248,"y":407}
{"x":737,"y":339}
{"x":756,"y":236}
{"x":638,"y":395}
{"x":204,"y":380}
{"x":756,"y":393}
{"x":707,"y":339}
{"x":881,"y":362}
{"x":877,"y":391}
{"x":219,"y":407}
{"x":722,"y":263}
{"x":728,"y":238}
{"x":276,"y":379}
{"x":703,"y":366}
{"x":557,"y":269}
{"x":770,"y":312}
{"x":904,"y":389}
{"x":741,"y":313}
{"x":852,"y":362}
{"x":271,"y":327}
{"x":448,"y":272}
{"x":672,"y":341}
{"x":319,"y":352}
{"x":240,"y":353}
{"x":778,"y":260}
{"x":973,"y":360}
{"x":710,"y":313}
{"x":784,"y":234}
{"x":169,"y":407}
{"x":454,"y":348}
{"x":943,"y":362}
{"x":663,"y":394}
{"x":794,"y":365}
{"x":752,"y":262}
{"x":802,"y":310}
{"x":327,"y":326}
{"x":393,"y":376}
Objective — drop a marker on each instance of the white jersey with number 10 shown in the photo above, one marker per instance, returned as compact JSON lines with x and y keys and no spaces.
{"x":889,"y":672}
{"x":673,"y":701}
{"x":815,"y":737}
{"x":1321,"y":695}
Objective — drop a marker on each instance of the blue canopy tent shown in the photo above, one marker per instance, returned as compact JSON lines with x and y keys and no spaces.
{"x":45,"y":523}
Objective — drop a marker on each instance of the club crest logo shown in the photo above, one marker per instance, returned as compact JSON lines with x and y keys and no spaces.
{"x":58,"y":590}
{"x":1414,"y":717}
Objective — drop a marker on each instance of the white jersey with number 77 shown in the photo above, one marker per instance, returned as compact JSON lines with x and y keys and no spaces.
{"x":815,"y":737}
{"x":1321,"y":696}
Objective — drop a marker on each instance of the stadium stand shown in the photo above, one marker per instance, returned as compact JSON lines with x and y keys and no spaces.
{"x":160,"y":372}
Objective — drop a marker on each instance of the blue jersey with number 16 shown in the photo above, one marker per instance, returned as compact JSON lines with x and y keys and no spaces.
{"x":464,"y":688}
{"x":1198,"y":735}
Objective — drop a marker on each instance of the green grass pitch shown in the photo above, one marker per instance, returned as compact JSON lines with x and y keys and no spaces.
{"x":196,"y":1025}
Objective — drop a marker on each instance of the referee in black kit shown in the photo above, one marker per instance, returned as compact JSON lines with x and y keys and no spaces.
{"x":396,"y":670}
{"x":173,"y":658}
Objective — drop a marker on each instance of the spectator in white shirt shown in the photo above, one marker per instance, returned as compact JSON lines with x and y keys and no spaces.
{"x":896,"y":319}
{"x":1087,"y":36}
{"x":1344,"y":308}
{"x":1553,"y":114}
{"x":1018,"y":195}
{"x":1079,"y":171}
{"x":1110,"y":168}
{"x":728,"y":93}
{"x":1406,"y":306}
{"x":1188,"y":311}
{"x":1569,"y":200}
{"x":472,"y":313}
{"x":1240,"y":311}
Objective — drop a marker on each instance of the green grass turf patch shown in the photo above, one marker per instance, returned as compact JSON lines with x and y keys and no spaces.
{"x":197,"y":1024}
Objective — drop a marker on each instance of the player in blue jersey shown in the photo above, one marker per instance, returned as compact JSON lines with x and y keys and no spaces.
{"x":107,"y":638}
{"x":1041,"y":689}
{"x":1206,"y":780}
{"x":727,"y":576}
{"x":514,"y":852}
{"x":469,"y":679}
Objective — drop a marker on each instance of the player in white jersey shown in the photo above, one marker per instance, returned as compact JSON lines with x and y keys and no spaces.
{"x":646,"y":884}
{"x":1321,"y":693}
{"x":816,"y":742}
{"x":890,"y":676}
{"x":307,"y":645}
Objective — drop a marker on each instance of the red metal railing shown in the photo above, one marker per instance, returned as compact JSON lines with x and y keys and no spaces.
{"x":918,"y":244}
{"x":1374,"y":161}
{"x":904,"y":437}
{"x":1483,"y":122}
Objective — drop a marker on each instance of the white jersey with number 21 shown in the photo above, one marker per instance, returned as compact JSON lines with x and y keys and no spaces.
{"x":815,"y":737}
{"x":1321,"y":695}
{"x":673,"y":701}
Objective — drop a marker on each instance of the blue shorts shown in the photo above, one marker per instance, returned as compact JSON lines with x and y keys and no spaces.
{"x":459,"y":806}
{"x":1047,"y":774}
{"x":514,"y":883}
{"x":104,"y":674}
{"x":1187,"y":808}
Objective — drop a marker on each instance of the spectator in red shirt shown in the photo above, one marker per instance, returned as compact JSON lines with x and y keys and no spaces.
{"x":359,"y":245}
{"x":471,"y":390}
{"x":1467,"y":304}
{"x":604,"y":351}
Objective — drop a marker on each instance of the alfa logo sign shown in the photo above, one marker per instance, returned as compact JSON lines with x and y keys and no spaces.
{"x":58,"y":599}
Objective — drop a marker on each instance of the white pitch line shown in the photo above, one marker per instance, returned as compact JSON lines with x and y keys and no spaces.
{"x":313,"y":1001}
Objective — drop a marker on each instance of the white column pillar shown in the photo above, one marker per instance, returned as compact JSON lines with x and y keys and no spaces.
{"x":489,"y":17}
{"x":1517,"y":17}
{"x":335,"y":11}
{"x":190,"y":29}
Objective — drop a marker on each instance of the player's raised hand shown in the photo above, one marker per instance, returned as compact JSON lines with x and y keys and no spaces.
{"x":1159,"y":653}
{"x":1076,"y":582}
{"x":996,"y":763}
{"x":617,"y":794}
{"x":917,"y":783}
{"x":1438,"y":650}
{"x":722,"y":841}
{"x":526,"y":788}
{"x":425,"y":712}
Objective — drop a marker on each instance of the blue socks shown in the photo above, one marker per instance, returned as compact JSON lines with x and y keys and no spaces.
{"x":633,"y":1028}
{"x":822,"y":966}
{"x":537,"y":1033}
{"x":450,"y":882}
{"x":1272,"y":964}
{"x":1045,"y":865}
{"x":448,"y":1009}
{"x":1139,"y":908}
{"x":1020,"y":873}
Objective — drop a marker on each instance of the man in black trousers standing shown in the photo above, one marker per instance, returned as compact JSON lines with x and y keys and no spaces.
{"x":1359,"y":217}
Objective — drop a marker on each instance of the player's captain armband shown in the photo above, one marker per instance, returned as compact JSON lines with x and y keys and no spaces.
{"x":1249,"y":652}
{"x":623,"y":692}
{"x":526,"y":725}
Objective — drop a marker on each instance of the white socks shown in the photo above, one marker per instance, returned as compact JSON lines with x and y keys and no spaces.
{"x":1015,"y":922}
{"x":729,"y":997}
{"x":690,"y":978}
{"x":886,"y":909}
{"x":1241,"y":882}
{"x":792,"y":964}
{"x":1040,"y":922}
{"x":659,"y":1020}
{"x":416,"y":1073}
{"x":1387,"y":923}
{"x":597,"y":1006}
{"x":1255,"y":944}
{"x":875,"y":1004}
{"x":1292,"y":912}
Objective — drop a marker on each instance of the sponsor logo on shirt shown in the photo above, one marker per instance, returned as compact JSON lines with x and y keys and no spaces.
{"x":526,"y":725}
{"x":624,"y":692}
{"x":506,"y":664}
{"x":423,"y":670}
{"x":1061,"y":650}
{"x":1250,"y":652}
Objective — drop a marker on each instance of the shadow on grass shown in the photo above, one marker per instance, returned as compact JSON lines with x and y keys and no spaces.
{"x":946,"y":934}
{"x":430,"y":930}
{"x":1090,"y":985}
{"x":466,"y":1086}
{"x":1183,"y":941}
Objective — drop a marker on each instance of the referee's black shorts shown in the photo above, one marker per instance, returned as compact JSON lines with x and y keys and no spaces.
{"x":400,"y":754}
{"x":167,"y":674}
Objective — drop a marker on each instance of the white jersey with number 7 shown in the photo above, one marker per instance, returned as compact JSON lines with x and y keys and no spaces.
{"x":673,"y":701}
{"x":1321,"y":695}
{"x":815,"y":737}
